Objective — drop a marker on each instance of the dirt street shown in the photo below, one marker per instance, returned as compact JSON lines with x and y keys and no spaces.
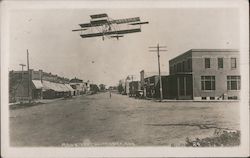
{"x":101,"y":120}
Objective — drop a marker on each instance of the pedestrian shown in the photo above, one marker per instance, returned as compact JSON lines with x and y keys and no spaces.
{"x":110,"y":94}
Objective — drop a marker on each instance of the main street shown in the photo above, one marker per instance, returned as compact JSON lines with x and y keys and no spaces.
{"x":98,"y":119}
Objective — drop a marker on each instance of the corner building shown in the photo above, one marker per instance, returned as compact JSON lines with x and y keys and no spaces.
{"x":205,"y":74}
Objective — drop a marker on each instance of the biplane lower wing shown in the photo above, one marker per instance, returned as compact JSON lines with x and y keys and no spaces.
{"x":85,"y":25}
{"x":119,"y":32}
{"x":139,"y":23}
{"x":128,"y":31}
{"x":79,"y":29}
{"x":91,"y":35}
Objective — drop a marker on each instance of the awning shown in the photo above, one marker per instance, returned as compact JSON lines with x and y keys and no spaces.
{"x":58,"y":87}
{"x":63,"y":87}
{"x":38,"y":84}
{"x":47,"y":85}
{"x":69,"y":87}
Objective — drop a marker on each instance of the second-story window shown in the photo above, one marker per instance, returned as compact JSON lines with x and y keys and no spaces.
{"x":183,"y":66}
{"x":179,"y":67}
{"x":189,"y":64}
{"x":171,"y":69}
{"x":233,"y":63}
{"x":207,"y":63}
{"x":220,"y":63}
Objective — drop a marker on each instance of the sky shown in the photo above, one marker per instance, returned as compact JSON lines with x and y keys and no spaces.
{"x":54,"y":48}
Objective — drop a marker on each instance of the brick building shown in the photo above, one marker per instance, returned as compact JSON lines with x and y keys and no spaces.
{"x":24,"y":85}
{"x":205,"y":74}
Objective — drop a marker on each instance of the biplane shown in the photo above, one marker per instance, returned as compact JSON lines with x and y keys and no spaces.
{"x":101,"y":25}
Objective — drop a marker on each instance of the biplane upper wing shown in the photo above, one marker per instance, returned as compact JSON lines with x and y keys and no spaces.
{"x":101,"y":19}
{"x":98,"y":22}
{"x":119,"y":32}
{"x":96,"y":16}
{"x":94,"y":23}
{"x":128,"y":20}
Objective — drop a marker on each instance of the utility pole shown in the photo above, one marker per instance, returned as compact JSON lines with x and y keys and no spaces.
{"x":28,"y":68}
{"x":159,"y":65}
{"x":22,"y":65}
{"x":132,"y":84}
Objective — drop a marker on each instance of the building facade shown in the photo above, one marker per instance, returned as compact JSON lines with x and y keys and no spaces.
{"x":79,"y":86}
{"x":150,"y":85}
{"x":134,"y":86}
{"x":25,"y":85}
{"x":205,"y":74}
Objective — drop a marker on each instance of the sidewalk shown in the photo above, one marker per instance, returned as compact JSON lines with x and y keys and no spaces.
{"x":42,"y":101}
{"x":175,"y":100}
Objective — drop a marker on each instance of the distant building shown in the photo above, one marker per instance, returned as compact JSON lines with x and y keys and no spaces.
{"x":150,"y":85}
{"x":134,"y":86}
{"x":24,"y":85}
{"x":205,"y":74}
{"x":79,"y":86}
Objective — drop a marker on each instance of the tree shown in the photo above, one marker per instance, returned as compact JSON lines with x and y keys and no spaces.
{"x":120,"y":87}
{"x":102,"y":87}
{"x":94,"y":88}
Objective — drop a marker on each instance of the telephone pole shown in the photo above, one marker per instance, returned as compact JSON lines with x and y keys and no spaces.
{"x":158,"y":50}
{"x":28,"y":68}
{"x":22,"y":65}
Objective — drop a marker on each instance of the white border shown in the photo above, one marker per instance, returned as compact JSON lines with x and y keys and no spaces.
{"x":242,"y":150}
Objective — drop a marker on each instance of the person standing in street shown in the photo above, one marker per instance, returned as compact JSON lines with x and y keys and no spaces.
{"x":110,"y":94}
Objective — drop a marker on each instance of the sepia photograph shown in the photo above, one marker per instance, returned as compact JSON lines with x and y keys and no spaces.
{"x":124,"y":78}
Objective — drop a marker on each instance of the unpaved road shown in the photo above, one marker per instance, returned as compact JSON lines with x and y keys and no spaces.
{"x":99,"y":120}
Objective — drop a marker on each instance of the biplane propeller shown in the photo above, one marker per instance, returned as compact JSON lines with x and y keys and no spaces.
{"x":102,"y":25}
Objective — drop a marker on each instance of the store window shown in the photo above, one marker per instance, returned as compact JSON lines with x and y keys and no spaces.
{"x":233,"y":82}
{"x":207,"y":82}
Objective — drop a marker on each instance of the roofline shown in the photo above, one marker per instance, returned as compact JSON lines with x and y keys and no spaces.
{"x":205,"y":50}
{"x":214,"y":50}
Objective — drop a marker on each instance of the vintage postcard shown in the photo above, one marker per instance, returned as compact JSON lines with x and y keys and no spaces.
{"x":125,"y":78}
